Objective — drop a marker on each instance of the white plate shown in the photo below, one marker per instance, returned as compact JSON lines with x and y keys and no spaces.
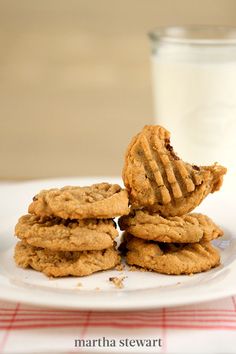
{"x":142,"y":290}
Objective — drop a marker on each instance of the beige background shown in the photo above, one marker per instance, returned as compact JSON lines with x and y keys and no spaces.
{"x":75,"y":79}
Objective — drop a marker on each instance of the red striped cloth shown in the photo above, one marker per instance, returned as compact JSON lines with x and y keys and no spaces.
{"x":204,"y":328}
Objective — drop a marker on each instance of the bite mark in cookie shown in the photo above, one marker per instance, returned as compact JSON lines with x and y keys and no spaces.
{"x":158,"y":180}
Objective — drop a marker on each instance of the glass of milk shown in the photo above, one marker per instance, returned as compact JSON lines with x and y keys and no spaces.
{"x":194,"y":79}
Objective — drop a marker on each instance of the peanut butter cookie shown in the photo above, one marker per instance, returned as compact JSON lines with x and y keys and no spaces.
{"x":101,"y":200}
{"x":169,"y":258}
{"x":61,"y":264}
{"x":181,"y":229}
{"x":157,"y":179}
{"x":66,"y":235}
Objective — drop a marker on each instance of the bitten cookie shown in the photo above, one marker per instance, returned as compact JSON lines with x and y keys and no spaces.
{"x":61,"y":264}
{"x":158,"y":180}
{"x":182,"y":229}
{"x":169,"y":258}
{"x":66,"y":235}
{"x":101,"y":200}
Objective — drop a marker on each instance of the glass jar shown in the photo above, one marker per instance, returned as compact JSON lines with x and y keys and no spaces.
{"x":194,"y":82}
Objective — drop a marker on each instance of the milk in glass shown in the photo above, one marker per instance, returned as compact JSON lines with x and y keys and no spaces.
{"x":194,"y":83}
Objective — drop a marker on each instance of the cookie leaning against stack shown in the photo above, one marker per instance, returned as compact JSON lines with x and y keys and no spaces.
{"x":160,"y":235}
{"x":70,"y":231}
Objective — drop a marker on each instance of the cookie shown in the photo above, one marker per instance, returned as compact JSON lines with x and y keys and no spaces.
{"x":101,"y":200}
{"x":181,"y":229}
{"x":66,"y":235}
{"x":158,"y":180}
{"x":170,"y":258}
{"x":61,"y":264}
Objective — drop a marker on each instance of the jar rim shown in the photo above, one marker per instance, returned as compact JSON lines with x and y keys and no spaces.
{"x":194,"y":34}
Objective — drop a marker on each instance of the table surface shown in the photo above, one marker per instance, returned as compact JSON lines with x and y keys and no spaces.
{"x":205,"y":328}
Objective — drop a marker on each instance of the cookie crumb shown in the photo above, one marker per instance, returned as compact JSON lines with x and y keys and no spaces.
{"x":132,"y":268}
{"x":117,"y":281}
{"x":97,"y":289}
{"x":120,"y":267}
{"x":79,"y":285}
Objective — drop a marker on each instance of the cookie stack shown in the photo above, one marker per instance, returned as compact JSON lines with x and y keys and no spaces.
{"x":160,"y":235}
{"x":71,"y":231}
